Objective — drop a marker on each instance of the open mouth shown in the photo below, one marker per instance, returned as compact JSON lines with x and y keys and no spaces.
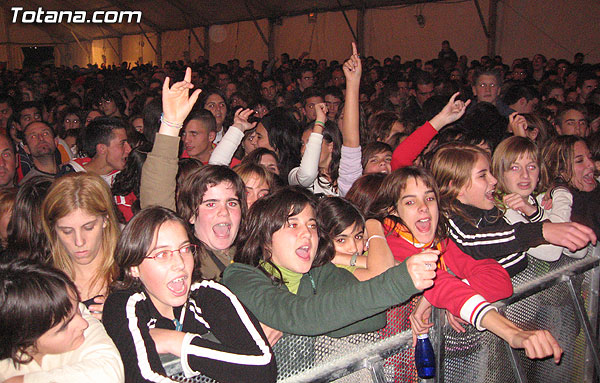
{"x":489,"y":195}
{"x":589,"y":179}
{"x":222,"y":230}
{"x":423,"y":225}
{"x":178,"y":286}
{"x":303,"y":252}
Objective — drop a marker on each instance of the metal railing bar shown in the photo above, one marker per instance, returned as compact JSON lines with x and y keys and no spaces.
{"x":553,"y":278}
{"x":587,"y":328}
{"x":515,"y":362}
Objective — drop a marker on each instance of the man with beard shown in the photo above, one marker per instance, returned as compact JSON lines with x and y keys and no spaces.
{"x":40,"y":144}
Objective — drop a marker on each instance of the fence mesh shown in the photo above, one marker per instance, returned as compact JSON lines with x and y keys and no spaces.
{"x":472,"y":356}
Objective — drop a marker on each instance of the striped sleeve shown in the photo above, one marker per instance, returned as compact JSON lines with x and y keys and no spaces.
{"x":242,"y":353}
{"x":126,"y":320}
{"x":495,"y":241}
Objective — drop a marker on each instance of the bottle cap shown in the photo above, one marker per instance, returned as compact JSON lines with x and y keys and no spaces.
{"x":423,"y":336}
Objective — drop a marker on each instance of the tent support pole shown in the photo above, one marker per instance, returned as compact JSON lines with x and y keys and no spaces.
{"x":492,"y":22}
{"x":159,"y":50}
{"x":360,"y":29}
{"x":271,"y":46}
{"x":480,"y":14}
{"x":109,"y":43}
{"x":89,"y":54}
{"x":260,"y":32}
{"x":149,"y":42}
{"x":197,"y":39}
{"x":206,"y":45}
{"x":120,"y":49}
{"x":347,"y":21}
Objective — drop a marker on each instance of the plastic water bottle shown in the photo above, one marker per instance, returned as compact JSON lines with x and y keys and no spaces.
{"x":424,"y":357}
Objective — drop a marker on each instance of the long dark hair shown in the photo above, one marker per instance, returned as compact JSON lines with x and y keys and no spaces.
{"x":284,"y":136}
{"x":35,"y":298}
{"x":335,"y":214}
{"x":558,"y":155}
{"x":136,"y":240}
{"x":26,"y":235}
{"x":269,"y":214}
{"x":331,"y":134}
{"x":391,"y":189}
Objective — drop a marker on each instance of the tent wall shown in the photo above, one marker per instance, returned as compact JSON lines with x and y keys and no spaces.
{"x":136,"y":48}
{"x":556,"y":28}
{"x":175,"y":44}
{"x":238,"y":40}
{"x":15,"y":36}
{"x":395,"y":31}
{"x":76,"y":55}
{"x":328,"y":38}
{"x":103,"y":52}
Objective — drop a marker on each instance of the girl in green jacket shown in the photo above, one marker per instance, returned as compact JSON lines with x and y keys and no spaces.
{"x":284,"y":275}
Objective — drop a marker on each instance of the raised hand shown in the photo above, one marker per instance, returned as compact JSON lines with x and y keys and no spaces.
{"x":240,"y":119}
{"x":517,"y":202}
{"x":176,"y":100}
{"x":421,"y":268}
{"x":321,"y":112}
{"x":517,"y":124}
{"x":453,"y":110}
{"x":353,"y":67}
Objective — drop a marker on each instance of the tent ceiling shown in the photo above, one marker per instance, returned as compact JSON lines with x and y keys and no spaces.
{"x":164,"y":15}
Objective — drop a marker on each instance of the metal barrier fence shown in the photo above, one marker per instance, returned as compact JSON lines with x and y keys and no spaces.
{"x":561,"y":297}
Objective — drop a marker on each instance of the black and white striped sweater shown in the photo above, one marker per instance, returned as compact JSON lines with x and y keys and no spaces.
{"x":223,"y":340}
{"x":488,"y":235}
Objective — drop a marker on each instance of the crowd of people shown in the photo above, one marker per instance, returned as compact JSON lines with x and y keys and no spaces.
{"x":208,"y":211}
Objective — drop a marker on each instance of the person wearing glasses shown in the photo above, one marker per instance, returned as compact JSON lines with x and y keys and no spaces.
{"x":160,"y":305}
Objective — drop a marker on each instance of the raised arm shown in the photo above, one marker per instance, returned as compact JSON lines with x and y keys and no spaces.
{"x":308,"y":171}
{"x":350,"y":162}
{"x":413,"y":145}
{"x":224,"y":151}
{"x":380,"y":256}
{"x":157,"y":185}
{"x":350,"y":126}
{"x":177,"y":104}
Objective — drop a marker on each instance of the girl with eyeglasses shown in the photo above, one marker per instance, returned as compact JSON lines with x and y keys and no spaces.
{"x":159,"y":305}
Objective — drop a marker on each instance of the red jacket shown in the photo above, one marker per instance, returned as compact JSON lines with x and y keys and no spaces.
{"x":485,"y":280}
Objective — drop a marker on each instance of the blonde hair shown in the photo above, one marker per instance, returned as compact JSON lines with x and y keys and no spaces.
{"x":507,"y":153}
{"x":452,"y":165}
{"x":249,"y":169}
{"x":7,"y":199}
{"x":91,"y":194}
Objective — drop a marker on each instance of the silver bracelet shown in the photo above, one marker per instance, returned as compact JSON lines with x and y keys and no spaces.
{"x":169,"y":123}
{"x":353,"y":259}
{"x":374,"y":236}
